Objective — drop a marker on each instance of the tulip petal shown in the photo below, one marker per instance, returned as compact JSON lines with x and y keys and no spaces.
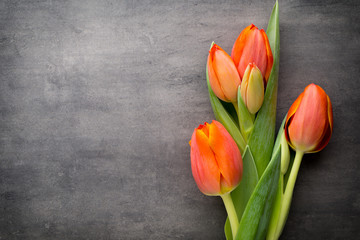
{"x":215,"y":84}
{"x":227,"y":155}
{"x":203,"y":164}
{"x":239,"y":45}
{"x":289,"y":116}
{"x":270,"y":59}
{"x":255,"y":90}
{"x":324,"y":140}
{"x":204,"y":128}
{"x":245,"y":84}
{"x":328,"y":132}
{"x":253,"y":51}
{"x":225,"y":69}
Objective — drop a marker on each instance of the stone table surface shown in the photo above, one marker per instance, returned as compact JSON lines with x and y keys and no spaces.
{"x":99,"y":99}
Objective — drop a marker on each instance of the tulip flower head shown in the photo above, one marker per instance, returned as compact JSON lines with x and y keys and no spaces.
{"x":216,"y":161}
{"x":223,"y":76}
{"x":252,"y":88}
{"x":252,"y":46}
{"x":309,"y":122}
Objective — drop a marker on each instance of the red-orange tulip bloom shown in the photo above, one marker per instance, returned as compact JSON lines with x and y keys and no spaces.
{"x":309,"y":122}
{"x":216,"y":161}
{"x":223,"y":76}
{"x":252,"y":46}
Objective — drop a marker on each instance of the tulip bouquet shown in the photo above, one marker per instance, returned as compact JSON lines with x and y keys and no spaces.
{"x":237,"y":156}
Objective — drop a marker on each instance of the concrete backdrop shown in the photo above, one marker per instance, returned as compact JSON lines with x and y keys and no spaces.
{"x":98,"y":100}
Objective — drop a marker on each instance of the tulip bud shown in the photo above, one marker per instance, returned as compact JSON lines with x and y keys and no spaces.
{"x":309,"y":122}
{"x":216,"y":161}
{"x":223,"y":76}
{"x":285,"y":154}
{"x":252,"y":88}
{"x":252,"y":46}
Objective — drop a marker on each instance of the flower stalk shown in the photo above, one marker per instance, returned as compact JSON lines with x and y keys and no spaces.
{"x":230,"y":209}
{"x":286,"y":196}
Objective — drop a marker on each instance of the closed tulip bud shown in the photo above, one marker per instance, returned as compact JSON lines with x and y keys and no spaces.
{"x":309,"y":122}
{"x":252,"y":88}
{"x":285,"y":154}
{"x":223,"y":76}
{"x":216,"y":161}
{"x":252,"y":46}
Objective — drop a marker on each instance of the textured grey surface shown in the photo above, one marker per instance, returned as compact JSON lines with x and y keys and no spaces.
{"x":98,"y":100}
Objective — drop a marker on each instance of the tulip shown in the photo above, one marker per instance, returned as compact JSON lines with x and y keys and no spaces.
{"x":308,"y":128}
{"x":252,"y":88}
{"x":216,"y":165}
{"x":223,"y":76}
{"x":252,"y":46}
{"x":309,"y":122}
{"x":216,"y":161}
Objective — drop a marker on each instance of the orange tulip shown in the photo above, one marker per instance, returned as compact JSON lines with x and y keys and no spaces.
{"x":309,"y":122}
{"x":216,"y":161}
{"x":252,"y":46}
{"x":223,"y":76}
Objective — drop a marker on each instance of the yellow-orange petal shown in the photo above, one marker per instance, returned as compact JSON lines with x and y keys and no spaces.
{"x":227,"y":155}
{"x":213,"y":79}
{"x":204,"y":128}
{"x":203,"y":164}
{"x":227,"y":74}
{"x":252,"y":88}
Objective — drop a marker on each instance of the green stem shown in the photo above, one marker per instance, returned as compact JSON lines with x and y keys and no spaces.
{"x":274,"y":222}
{"x":285,"y":206}
{"x":252,"y":116}
{"x":230,"y":209}
{"x":236,"y":107}
{"x":273,"y":231}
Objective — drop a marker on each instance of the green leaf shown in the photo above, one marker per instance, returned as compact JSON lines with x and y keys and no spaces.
{"x":227,"y":230}
{"x":274,"y":230}
{"x":242,"y":193}
{"x":245,"y":120}
{"x":276,"y":208}
{"x":262,"y":137}
{"x":278,"y":137}
{"x":225,"y":118}
{"x":229,"y":107}
{"x":256,"y":217}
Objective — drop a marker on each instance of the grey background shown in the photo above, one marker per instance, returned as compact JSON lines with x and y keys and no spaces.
{"x":99,"y":99}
